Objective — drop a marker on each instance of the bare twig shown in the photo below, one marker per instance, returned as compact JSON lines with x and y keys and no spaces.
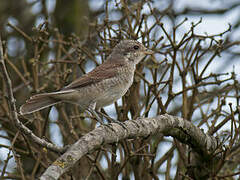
{"x":14,"y":114}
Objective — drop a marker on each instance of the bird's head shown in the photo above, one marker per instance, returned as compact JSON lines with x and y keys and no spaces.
{"x":131,"y":51}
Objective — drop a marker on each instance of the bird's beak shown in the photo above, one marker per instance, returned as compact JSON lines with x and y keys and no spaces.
{"x":148,"y":51}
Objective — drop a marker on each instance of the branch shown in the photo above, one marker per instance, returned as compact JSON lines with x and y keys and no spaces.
{"x":168,"y":125}
{"x":13,"y":109}
{"x":205,"y":11}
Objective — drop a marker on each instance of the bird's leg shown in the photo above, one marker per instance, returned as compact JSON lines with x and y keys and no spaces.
{"x":92,"y":111}
{"x":95,"y":113}
{"x":106,"y":116}
{"x":113,"y":120}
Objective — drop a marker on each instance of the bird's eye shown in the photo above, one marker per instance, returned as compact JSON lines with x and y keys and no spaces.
{"x":136,"y":47}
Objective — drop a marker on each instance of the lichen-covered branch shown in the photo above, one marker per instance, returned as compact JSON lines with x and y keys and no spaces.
{"x":168,"y":125}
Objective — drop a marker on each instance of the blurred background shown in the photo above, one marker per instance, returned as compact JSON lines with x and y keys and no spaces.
{"x":49,"y":43}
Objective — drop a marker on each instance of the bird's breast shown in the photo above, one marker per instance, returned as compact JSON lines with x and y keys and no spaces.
{"x":110,"y":90}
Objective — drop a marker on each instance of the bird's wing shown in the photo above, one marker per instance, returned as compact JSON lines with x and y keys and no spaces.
{"x":104,"y":71}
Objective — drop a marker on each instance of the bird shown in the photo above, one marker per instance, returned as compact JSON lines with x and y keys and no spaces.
{"x":101,"y":87}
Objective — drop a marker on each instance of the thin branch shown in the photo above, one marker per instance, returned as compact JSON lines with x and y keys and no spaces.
{"x":13,"y":109}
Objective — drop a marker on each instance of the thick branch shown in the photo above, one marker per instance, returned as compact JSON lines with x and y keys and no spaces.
{"x":168,"y":125}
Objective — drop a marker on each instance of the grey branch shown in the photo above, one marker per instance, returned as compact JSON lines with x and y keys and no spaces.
{"x":177,"y":127}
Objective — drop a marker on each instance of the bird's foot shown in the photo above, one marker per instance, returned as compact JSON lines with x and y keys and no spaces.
{"x":98,"y":119}
{"x":119,"y":123}
{"x":113,"y":120}
{"x":96,"y":116}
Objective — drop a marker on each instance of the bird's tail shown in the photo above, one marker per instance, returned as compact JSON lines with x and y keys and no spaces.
{"x":38,"y":102}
